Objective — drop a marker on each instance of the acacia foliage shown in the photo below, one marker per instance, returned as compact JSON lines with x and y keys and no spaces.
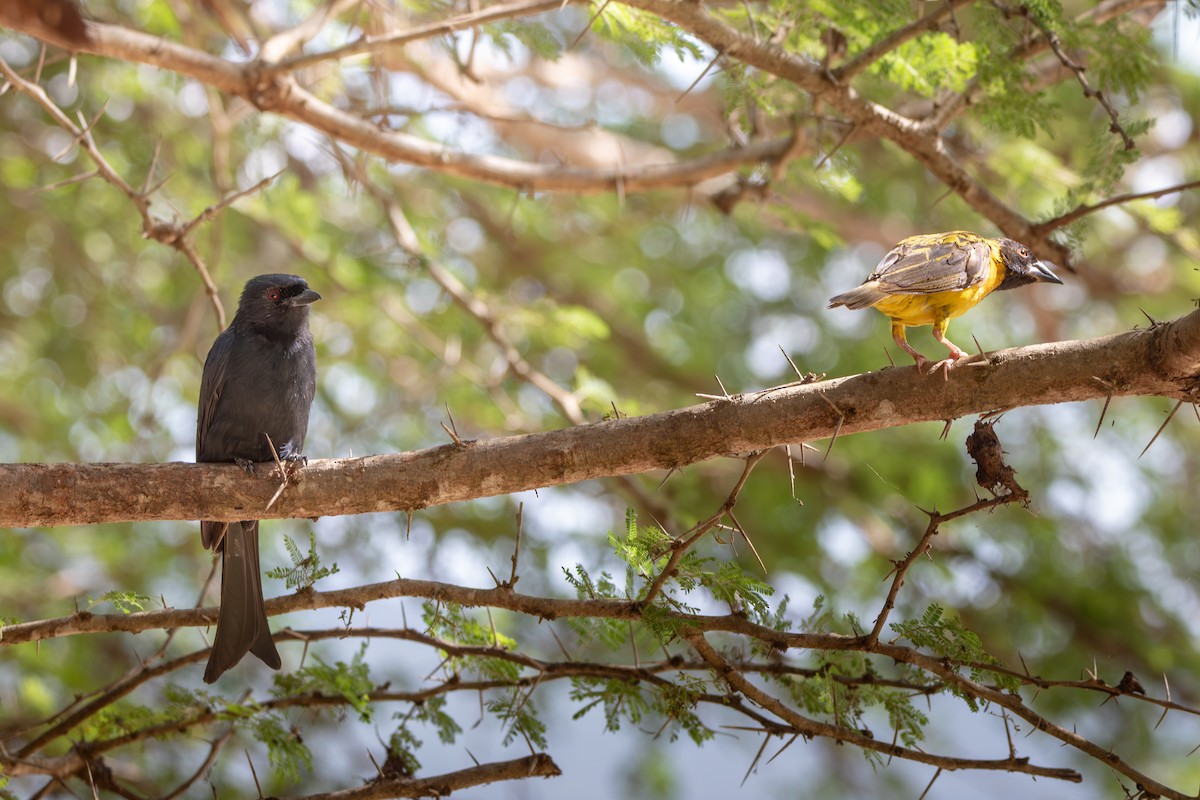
{"x":517,"y":309}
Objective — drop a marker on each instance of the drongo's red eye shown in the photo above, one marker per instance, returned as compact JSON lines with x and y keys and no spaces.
{"x":273,"y":294}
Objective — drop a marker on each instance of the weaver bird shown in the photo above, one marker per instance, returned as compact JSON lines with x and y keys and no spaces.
{"x":931,"y":278}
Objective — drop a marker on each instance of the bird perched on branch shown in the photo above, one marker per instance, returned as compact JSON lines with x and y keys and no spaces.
{"x":931,"y":278}
{"x":255,"y":395}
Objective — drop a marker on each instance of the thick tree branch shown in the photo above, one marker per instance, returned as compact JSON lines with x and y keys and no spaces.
{"x":1161,"y":360}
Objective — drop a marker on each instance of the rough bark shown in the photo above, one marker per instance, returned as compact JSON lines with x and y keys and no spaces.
{"x":1162,"y":360}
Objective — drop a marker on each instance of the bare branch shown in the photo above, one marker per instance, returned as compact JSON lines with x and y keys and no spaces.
{"x":1088,"y":91}
{"x":538,"y":765}
{"x":1121,"y":199}
{"x":1161,"y":360}
{"x":372,"y":44}
{"x":152,"y":228}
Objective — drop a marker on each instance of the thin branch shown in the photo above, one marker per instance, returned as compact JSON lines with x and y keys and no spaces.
{"x":1083,"y":211}
{"x":927,"y":24}
{"x":810,"y":727}
{"x":276,"y":90}
{"x":397,"y":39}
{"x":538,"y":765}
{"x":158,"y":230}
{"x":1056,"y":45}
{"x":1013,"y":702}
{"x":288,"y":41}
{"x":922,"y":547}
{"x":680,"y":546}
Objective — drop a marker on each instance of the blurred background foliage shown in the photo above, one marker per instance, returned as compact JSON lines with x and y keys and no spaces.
{"x":632,"y":302}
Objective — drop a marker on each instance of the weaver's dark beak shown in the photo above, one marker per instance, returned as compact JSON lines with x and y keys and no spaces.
{"x":1038,"y":270}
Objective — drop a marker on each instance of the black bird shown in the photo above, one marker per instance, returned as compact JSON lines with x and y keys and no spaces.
{"x":259,"y":380}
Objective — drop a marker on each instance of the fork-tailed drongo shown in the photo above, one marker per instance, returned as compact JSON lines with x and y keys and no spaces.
{"x":259,"y":380}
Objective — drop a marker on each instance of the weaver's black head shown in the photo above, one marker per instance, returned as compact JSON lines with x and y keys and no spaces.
{"x":277,"y":303}
{"x":1023,"y":266}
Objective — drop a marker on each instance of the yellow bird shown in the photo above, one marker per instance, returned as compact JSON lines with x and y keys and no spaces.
{"x":931,"y":278}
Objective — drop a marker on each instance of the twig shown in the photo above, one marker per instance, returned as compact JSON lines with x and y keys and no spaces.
{"x":681,"y":545}
{"x":1083,"y":211}
{"x":1056,"y":45}
{"x":158,"y":230}
{"x":810,"y":727}
{"x":926,"y":24}
{"x":370,"y":44}
{"x":900,"y":568}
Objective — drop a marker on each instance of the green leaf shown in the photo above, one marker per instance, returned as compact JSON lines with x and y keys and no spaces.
{"x":350,"y":681}
{"x":285,"y":746}
{"x":125,"y":602}
{"x":306,"y":568}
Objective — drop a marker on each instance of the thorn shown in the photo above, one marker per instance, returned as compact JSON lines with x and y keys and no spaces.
{"x":1166,"y":684}
{"x":667,"y":477}
{"x":1161,"y":428}
{"x":787,"y":451}
{"x":253,"y":773}
{"x":283,"y":477}
{"x":838,"y":429}
{"x":754,"y":763}
{"x":978,"y":346}
{"x":495,"y":580}
{"x":700,"y":77}
{"x":940,"y":198}
{"x":590,"y":22}
{"x":1107,"y":400}
{"x":845,"y":136}
{"x":746,"y":536}
{"x":795,"y":369}
{"x":788,"y":744}
{"x":374,"y":763}
{"x":724,"y":395}
{"x":930,"y":784}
